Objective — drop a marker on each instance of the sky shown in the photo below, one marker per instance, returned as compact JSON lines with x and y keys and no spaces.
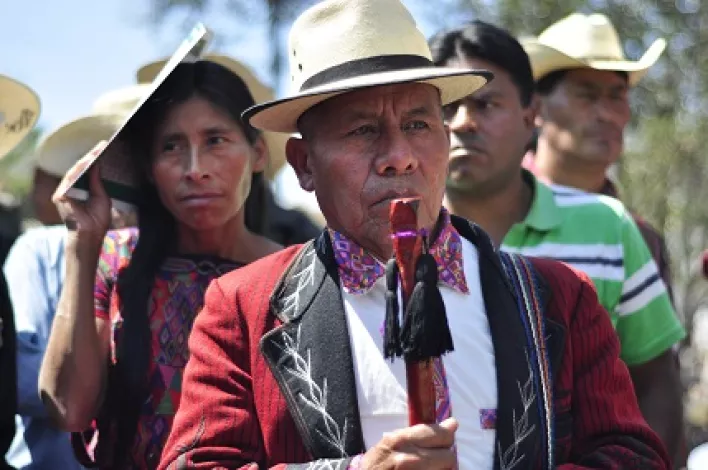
{"x":71,"y":51}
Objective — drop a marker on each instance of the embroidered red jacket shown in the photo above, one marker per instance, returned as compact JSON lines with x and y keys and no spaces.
{"x":272,"y":332}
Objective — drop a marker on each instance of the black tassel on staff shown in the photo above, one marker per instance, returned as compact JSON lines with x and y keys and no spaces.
{"x":425,"y":333}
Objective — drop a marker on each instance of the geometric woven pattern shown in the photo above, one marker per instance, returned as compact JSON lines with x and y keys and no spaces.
{"x":359,"y":270}
{"x":177,"y":297}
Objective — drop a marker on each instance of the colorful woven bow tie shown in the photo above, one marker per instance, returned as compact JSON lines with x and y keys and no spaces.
{"x":359,"y":271}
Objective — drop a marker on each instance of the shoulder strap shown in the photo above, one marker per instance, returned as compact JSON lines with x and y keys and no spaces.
{"x":524,"y":281}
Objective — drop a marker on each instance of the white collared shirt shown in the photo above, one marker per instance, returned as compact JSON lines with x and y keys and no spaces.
{"x":471,"y":371}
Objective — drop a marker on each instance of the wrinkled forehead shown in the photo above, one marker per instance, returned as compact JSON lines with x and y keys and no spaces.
{"x":376,"y":101}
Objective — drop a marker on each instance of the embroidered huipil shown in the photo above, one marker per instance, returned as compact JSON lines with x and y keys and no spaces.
{"x":468,"y":387}
{"x":177,"y":296}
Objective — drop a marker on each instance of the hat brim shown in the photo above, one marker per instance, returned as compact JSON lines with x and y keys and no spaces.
{"x":62,"y":148}
{"x":19,"y":112}
{"x":546,"y":59}
{"x":282,"y":115}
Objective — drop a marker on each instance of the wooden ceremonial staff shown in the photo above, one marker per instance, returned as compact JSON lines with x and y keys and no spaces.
{"x":408,"y":244}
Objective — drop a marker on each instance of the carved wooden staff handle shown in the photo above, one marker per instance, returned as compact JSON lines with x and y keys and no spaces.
{"x":408,"y":244}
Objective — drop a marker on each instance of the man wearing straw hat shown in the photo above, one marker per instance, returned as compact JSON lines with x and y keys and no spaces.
{"x":287,"y":366}
{"x":35,"y":274}
{"x":19,"y":111}
{"x":284,"y":226}
{"x":583,"y":80}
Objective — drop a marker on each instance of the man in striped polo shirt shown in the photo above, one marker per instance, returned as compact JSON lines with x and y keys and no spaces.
{"x":582,"y":81}
{"x":595,"y":234}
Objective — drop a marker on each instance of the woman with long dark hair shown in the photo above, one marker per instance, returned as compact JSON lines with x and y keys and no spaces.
{"x":118,"y":344}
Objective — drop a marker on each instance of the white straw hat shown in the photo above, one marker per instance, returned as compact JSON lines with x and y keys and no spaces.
{"x":586,"y":41}
{"x":338,"y":46}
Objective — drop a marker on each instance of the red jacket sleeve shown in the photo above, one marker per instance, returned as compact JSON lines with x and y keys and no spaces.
{"x":608,"y":429}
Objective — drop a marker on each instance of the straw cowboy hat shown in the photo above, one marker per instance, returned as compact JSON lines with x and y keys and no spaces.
{"x":338,"y":46}
{"x":260,"y":92}
{"x":19,"y":111}
{"x":62,"y":148}
{"x":586,"y":41}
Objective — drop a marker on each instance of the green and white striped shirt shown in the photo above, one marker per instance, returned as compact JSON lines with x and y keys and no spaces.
{"x":597,"y":235}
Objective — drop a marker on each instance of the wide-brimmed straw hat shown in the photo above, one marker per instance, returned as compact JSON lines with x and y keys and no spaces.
{"x":338,"y":46}
{"x":60,"y":149}
{"x":19,"y":111}
{"x":261,"y":93}
{"x":586,"y":41}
